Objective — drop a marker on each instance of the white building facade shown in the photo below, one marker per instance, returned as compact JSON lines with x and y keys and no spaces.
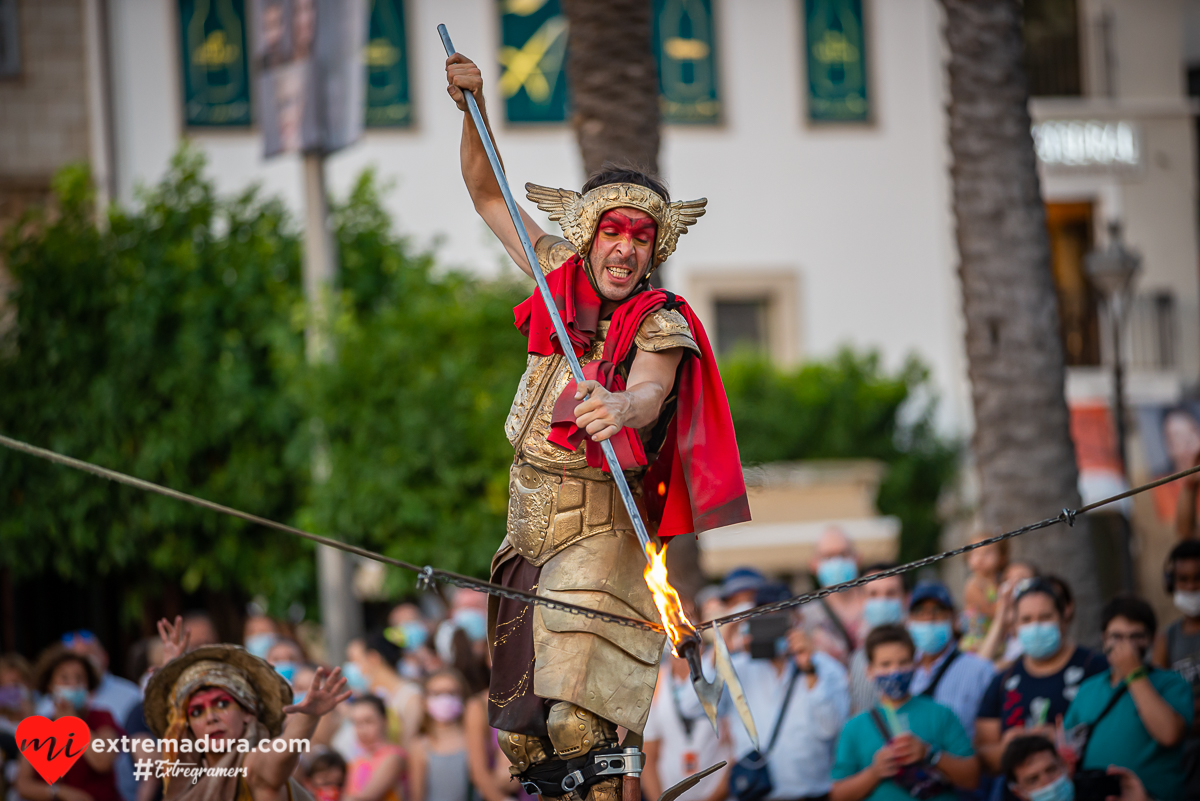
{"x":830,"y":219}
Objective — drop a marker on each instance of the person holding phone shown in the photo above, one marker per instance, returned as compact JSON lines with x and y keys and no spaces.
{"x":1036,"y":771}
{"x":799,"y":698}
{"x":906,"y":746}
{"x":1133,"y":715}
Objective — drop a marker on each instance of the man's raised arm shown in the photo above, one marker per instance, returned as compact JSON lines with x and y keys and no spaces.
{"x":462,"y":74}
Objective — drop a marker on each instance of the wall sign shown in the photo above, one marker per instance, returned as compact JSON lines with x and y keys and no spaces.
{"x":1087,"y":143}
{"x":215,"y":69}
{"x":684,"y":47}
{"x":389,"y":103}
{"x":533,"y":63}
{"x":836,"y":57}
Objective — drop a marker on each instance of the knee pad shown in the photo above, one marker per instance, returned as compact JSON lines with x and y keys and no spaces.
{"x":574,"y":731}
{"x":524,"y":750}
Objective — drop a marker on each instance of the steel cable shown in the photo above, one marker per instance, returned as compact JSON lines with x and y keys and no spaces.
{"x":429,"y":574}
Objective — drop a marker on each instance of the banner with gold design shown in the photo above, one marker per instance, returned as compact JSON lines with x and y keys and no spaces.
{"x":389,"y":103}
{"x":836,"y":58}
{"x":215,"y":69}
{"x":684,"y":47}
{"x":533,"y":63}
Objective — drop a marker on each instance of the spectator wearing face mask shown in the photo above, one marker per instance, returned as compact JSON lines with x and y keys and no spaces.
{"x":286,"y":656}
{"x":439,"y":770}
{"x":68,"y":679}
{"x":836,"y":622}
{"x":259,"y":634}
{"x":1178,"y":648}
{"x":115,"y":695}
{"x":905,"y":745}
{"x":1034,"y":771}
{"x":801,"y":692}
{"x":944,"y":673}
{"x":885,"y":604}
{"x":1029,"y":696}
{"x":1136,"y":716}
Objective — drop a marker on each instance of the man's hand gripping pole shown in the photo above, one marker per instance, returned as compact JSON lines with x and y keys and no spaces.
{"x":709,"y":692}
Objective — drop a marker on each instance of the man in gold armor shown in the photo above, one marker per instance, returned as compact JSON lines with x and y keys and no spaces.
{"x":562,"y":684}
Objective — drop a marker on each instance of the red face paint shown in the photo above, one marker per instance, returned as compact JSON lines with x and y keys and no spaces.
{"x":211,"y":697}
{"x":637,"y":232}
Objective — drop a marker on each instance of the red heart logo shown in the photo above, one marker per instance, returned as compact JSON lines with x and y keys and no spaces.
{"x":52,"y":746}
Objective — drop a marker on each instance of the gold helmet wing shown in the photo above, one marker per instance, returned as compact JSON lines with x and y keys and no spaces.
{"x":578,"y":215}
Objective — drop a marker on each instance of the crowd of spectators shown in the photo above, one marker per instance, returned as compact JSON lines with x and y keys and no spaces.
{"x":883,"y":693}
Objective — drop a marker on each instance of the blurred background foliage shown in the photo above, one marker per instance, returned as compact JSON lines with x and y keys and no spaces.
{"x":168,"y":343}
{"x":850,"y":407}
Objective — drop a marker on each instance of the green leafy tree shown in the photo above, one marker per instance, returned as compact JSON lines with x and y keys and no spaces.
{"x":849,"y":407}
{"x":413,"y":407}
{"x":152,"y":346}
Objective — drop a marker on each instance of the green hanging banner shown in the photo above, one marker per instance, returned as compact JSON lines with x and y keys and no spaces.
{"x":685,"y":49}
{"x":836,"y":56}
{"x":533,"y":63}
{"x":215,"y":69}
{"x":389,"y":103}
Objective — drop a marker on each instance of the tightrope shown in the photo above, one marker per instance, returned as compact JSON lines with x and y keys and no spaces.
{"x":427,"y":574}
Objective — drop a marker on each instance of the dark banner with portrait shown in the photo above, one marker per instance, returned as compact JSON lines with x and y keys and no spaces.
{"x":311,"y":76}
{"x":215,"y":65}
{"x":685,"y":49}
{"x":835,"y":50}
{"x":389,"y":102}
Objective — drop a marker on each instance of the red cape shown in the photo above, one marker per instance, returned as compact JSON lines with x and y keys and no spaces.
{"x":696,"y":483}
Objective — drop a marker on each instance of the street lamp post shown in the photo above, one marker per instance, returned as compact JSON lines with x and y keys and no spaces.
{"x":1113,"y":271}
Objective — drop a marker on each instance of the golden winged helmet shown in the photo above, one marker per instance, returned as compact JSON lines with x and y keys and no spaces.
{"x":580,"y":214}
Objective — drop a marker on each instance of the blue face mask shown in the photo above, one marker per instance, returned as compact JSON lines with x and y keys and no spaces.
{"x":75,"y":696}
{"x":837,"y":570}
{"x":930,"y":636}
{"x":1039,"y":640}
{"x":1061,"y":789}
{"x":287,"y":670}
{"x":881,"y":611}
{"x":894,"y":686}
{"x":473,"y":622}
{"x":415,"y":634}
{"x":259,"y":644}
{"x":355,"y":679}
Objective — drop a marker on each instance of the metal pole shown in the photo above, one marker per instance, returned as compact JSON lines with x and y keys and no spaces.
{"x":341,"y":615}
{"x":1118,"y":384}
{"x":610,"y":455}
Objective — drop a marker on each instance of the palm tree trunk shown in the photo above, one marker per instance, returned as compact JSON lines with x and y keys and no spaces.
{"x":614,"y":82}
{"x":1022,"y":443}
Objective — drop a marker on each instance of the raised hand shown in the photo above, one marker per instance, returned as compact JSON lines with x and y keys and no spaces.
{"x":327,"y":691}
{"x":461,"y":73}
{"x":174,"y":638}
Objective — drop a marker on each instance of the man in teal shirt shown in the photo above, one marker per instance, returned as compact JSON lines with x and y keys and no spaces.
{"x":924,"y":741}
{"x":1139,"y":715}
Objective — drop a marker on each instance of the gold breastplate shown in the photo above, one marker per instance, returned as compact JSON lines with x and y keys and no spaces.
{"x":528,"y":422}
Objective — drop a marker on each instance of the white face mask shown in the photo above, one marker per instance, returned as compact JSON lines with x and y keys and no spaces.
{"x":1188,"y":603}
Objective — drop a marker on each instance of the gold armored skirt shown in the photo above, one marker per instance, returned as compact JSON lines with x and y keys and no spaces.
{"x":570,"y":539}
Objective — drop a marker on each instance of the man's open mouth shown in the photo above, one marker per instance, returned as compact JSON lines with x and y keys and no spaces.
{"x":620,"y":273}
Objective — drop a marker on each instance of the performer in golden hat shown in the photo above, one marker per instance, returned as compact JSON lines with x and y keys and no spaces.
{"x":563,"y":683}
{"x":231,"y":700}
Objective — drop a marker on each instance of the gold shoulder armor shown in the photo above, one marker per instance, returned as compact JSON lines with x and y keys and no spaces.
{"x":551,"y":252}
{"x":663,"y":330}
